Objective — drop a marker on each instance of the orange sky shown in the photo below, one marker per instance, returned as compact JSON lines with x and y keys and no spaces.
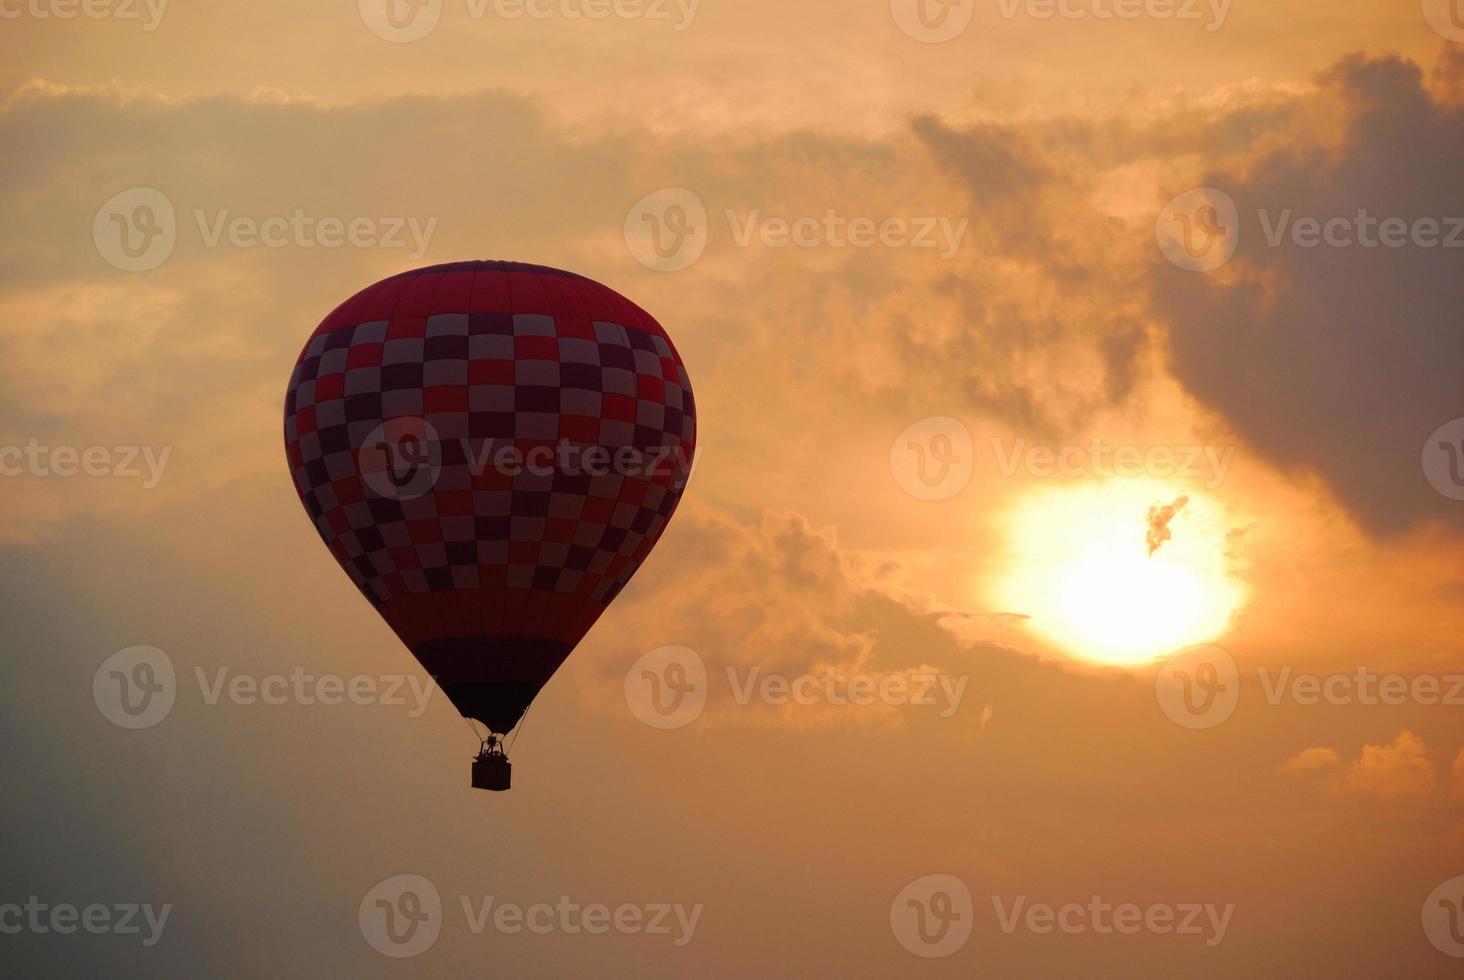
{"x":1076,"y":381}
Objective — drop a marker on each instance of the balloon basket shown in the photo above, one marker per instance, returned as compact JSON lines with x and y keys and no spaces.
{"x":491,"y":772}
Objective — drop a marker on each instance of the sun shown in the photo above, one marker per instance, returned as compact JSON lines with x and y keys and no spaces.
{"x":1119,"y":572}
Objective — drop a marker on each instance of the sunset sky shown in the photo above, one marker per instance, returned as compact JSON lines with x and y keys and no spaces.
{"x":986,"y":418}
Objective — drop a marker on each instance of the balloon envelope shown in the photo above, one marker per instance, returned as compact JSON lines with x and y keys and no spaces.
{"x":490,"y":450}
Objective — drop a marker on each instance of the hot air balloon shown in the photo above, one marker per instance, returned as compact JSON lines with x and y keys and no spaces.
{"x":490,"y":450}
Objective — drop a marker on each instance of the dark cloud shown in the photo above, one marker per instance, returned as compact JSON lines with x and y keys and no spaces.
{"x":488,"y":166}
{"x":1159,"y":518}
{"x":1339,"y":361}
{"x":1036,"y":290}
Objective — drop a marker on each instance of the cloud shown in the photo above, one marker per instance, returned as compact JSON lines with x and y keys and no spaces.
{"x":1337,"y":361}
{"x":1318,"y":759}
{"x":1043,"y":330}
{"x":778,"y":595}
{"x":1399,"y":771}
{"x":1159,"y":518}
